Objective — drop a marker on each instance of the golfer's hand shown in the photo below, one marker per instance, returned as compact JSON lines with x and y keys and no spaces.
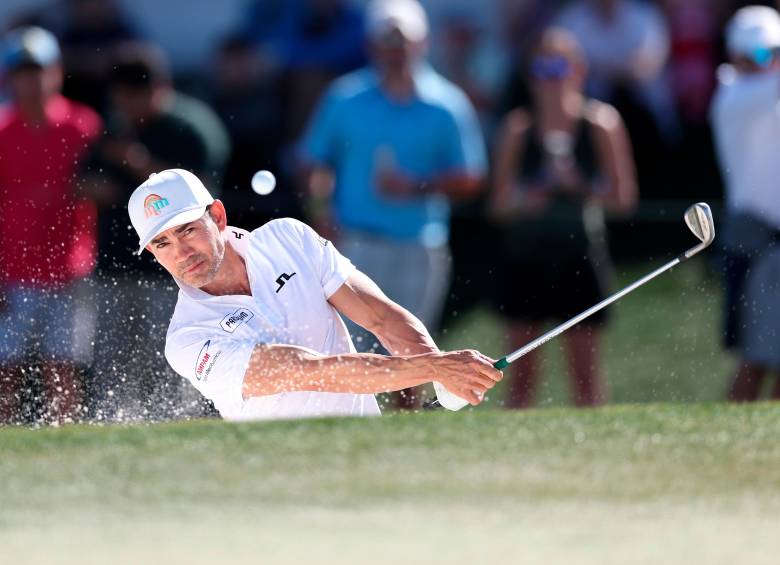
{"x":466,"y":373}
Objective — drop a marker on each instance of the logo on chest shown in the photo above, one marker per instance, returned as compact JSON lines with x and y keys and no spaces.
{"x":231,"y":322}
{"x":282,"y":279}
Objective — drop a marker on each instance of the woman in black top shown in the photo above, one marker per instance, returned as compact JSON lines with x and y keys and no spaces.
{"x":558,"y":166}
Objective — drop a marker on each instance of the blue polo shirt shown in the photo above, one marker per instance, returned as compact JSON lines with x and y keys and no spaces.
{"x":358,"y":129}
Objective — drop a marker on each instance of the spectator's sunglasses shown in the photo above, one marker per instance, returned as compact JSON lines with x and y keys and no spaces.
{"x":762,"y":56}
{"x":550,"y":67}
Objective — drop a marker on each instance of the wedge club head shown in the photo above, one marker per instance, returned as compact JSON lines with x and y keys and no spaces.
{"x":700,"y":222}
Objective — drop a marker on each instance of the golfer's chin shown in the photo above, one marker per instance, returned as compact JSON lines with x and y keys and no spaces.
{"x":197,"y":277}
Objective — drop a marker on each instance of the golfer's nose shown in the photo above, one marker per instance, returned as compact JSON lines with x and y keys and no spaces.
{"x":184,"y":252}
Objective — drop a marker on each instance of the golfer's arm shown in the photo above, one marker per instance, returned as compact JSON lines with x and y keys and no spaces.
{"x":397,"y":329}
{"x":288,"y":368}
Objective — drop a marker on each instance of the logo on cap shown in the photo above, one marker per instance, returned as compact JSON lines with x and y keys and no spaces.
{"x":153,"y":204}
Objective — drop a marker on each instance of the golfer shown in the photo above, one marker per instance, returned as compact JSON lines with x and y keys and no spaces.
{"x":257,"y":326}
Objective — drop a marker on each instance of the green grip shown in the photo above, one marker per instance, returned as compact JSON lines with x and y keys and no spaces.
{"x":501,"y":364}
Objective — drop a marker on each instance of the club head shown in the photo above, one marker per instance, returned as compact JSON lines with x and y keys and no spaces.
{"x":699,"y":220}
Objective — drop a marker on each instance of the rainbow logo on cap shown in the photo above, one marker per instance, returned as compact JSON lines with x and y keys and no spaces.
{"x":153,"y":204}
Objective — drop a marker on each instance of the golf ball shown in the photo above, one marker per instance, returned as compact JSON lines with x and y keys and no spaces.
{"x":263,"y":182}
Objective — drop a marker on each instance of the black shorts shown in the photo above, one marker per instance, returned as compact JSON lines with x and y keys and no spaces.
{"x":553,"y":285}
{"x":736,"y":270}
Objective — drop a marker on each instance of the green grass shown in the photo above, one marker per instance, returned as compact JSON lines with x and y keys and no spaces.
{"x":628,"y":484}
{"x":662,"y":343}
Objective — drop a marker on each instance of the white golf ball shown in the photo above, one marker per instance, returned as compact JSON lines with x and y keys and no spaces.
{"x":263,"y":182}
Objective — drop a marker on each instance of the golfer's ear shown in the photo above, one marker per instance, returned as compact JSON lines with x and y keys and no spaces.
{"x":218,"y":214}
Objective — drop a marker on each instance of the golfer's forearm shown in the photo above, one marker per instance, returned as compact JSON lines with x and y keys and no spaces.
{"x":287,"y":368}
{"x":401,"y":333}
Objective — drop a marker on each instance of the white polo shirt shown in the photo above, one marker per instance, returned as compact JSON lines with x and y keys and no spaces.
{"x":292,"y":273}
{"x":746,"y":124}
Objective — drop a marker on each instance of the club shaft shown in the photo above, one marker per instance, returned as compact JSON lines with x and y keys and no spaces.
{"x":589,"y":312}
{"x":515,"y":355}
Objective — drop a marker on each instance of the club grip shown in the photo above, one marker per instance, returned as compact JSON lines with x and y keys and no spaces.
{"x":501,"y":364}
{"x":446,"y":399}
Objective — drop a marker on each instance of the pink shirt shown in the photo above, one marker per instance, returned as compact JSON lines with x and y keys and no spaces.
{"x":47,"y":236}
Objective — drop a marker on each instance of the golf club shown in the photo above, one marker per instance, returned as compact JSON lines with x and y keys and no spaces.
{"x":698,"y":217}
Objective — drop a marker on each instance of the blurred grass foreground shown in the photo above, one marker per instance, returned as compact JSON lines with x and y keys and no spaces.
{"x":629,"y":484}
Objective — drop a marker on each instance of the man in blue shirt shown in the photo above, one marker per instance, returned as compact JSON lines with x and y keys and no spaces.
{"x":398,"y":141}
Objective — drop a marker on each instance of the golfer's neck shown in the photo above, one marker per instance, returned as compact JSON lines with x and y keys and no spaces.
{"x":232,"y":277}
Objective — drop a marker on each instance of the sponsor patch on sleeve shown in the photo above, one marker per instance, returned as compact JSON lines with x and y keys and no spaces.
{"x":205,"y":362}
{"x":231,"y":322}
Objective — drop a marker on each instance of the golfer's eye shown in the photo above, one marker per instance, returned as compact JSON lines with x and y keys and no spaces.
{"x":161,"y":245}
{"x":188,"y":231}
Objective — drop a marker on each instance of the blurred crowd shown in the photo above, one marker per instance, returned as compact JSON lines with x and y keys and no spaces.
{"x":451,"y":161}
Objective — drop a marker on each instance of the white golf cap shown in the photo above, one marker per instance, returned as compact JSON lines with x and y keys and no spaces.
{"x":407,"y":16}
{"x":753,"y":28}
{"x":166,"y":200}
{"x":29,"y":46}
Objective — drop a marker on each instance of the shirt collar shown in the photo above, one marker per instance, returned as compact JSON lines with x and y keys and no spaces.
{"x":421,"y":74}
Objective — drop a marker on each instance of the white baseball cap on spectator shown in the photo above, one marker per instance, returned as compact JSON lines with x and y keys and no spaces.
{"x":753,"y":30}
{"x":29,"y":46}
{"x":165,"y":200}
{"x":406,"y":16}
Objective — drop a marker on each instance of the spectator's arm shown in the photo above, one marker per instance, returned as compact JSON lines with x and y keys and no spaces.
{"x":457,"y":184}
{"x":464,"y":160}
{"x":619,"y":192}
{"x":133,"y":158}
{"x":504,"y":196}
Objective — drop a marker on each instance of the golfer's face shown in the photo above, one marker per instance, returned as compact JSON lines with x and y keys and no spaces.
{"x":192,"y":252}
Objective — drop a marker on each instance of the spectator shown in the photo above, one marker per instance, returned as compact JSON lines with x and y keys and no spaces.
{"x":747,"y":134}
{"x":152,"y":128}
{"x":626,"y":44}
{"x":313,"y":42}
{"x":92,"y":32}
{"x":400,"y":141}
{"x":46,"y":233}
{"x":248,"y":99}
{"x":521,"y":25}
{"x":467,"y":55}
{"x":694,"y":27}
{"x":557,"y":166}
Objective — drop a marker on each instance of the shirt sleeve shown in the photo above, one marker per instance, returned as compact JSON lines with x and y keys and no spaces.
{"x":215,"y":365}
{"x":463,"y":142}
{"x":332,"y":267}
